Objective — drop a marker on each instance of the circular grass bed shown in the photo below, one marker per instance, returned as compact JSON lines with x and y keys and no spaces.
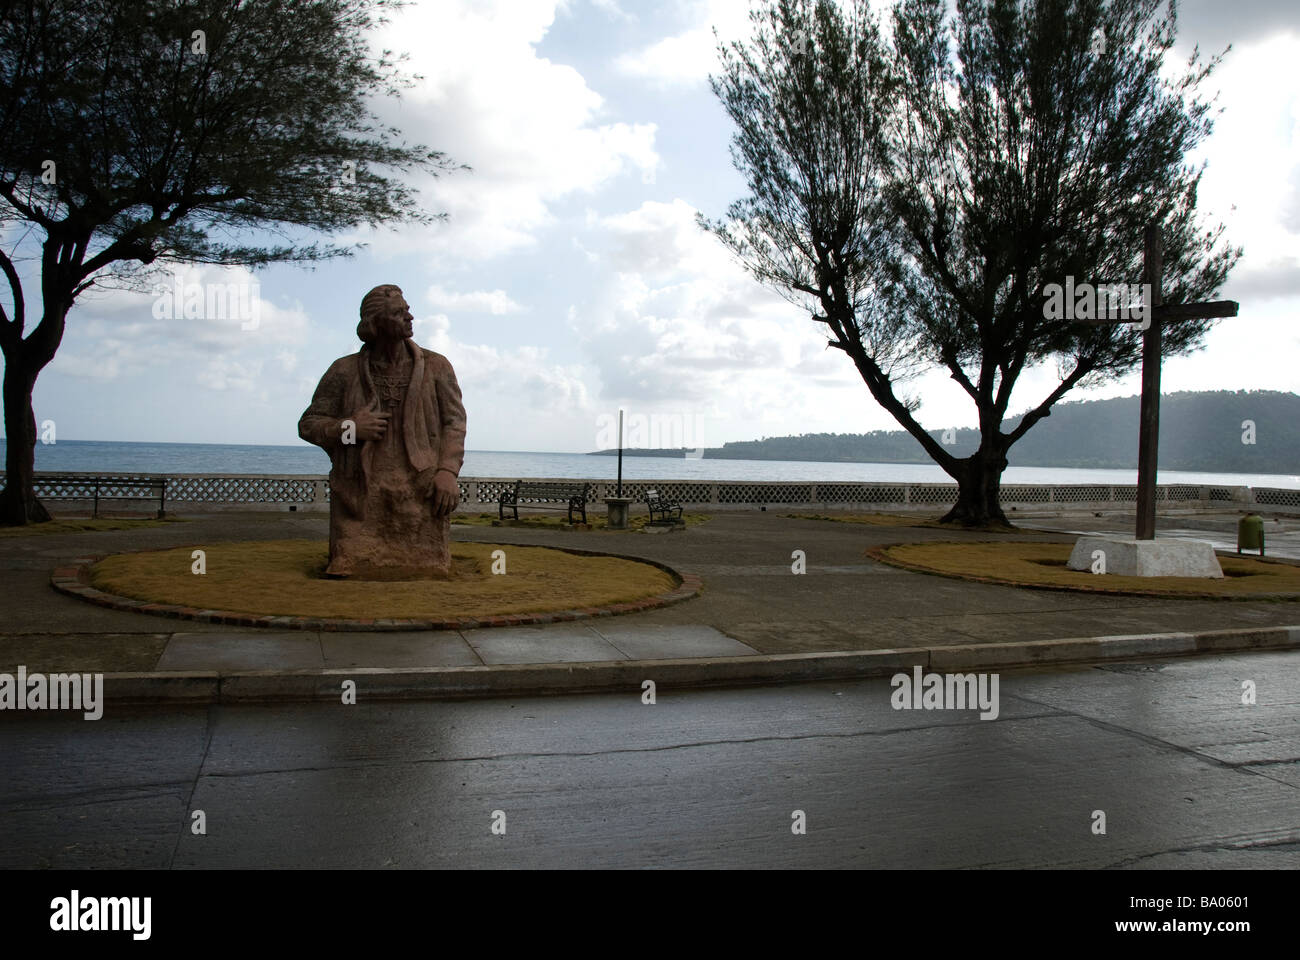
{"x":284,"y":578}
{"x":1043,"y":565}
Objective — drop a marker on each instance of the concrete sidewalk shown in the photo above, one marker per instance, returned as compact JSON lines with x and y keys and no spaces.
{"x":755,"y":620}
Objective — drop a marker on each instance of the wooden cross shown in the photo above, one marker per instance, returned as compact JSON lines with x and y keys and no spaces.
{"x":1149,"y":429}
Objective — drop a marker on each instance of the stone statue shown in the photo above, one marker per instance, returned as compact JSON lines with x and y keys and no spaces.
{"x":391,"y":419}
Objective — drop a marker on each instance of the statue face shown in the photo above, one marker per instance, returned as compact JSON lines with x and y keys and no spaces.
{"x":396,"y":321}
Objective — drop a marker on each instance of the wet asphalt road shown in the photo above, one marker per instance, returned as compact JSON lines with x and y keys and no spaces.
{"x":1185,"y":773}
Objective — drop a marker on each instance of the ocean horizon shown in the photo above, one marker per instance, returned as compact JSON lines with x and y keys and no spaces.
{"x":105,"y":456}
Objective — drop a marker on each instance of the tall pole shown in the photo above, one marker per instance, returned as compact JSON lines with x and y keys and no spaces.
{"x":1149,"y":427}
{"x":620,"y":454}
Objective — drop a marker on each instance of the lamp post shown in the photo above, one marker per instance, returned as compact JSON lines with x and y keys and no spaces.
{"x":616,"y":506}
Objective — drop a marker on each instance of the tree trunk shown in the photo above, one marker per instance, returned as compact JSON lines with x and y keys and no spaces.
{"x":18,"y":503}
{"x":979,"y":481}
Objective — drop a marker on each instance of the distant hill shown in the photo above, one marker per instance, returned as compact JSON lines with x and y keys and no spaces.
{"x":1198,"y":431}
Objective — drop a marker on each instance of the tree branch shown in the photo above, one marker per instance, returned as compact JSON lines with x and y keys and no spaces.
{"x":28,"y":212}
{"x":1044,"y":409}
{"x":12,"y":330}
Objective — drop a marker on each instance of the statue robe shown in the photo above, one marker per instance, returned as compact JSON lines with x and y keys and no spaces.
{"x":382,"y":525}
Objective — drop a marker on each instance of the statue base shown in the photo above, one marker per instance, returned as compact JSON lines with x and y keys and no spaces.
{"x":391,"y":574}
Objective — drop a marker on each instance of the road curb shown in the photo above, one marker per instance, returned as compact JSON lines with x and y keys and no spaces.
{"x":628,"y":676}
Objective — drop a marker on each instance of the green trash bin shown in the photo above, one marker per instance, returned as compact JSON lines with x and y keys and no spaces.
{"x":1250,"y":533}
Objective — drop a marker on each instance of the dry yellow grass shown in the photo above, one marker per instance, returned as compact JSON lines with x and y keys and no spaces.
{"x":282,"y":578}
{"x":82,"y":526}
{"x":1043,"y":565}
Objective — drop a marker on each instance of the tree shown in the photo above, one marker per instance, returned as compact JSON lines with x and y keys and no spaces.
{"x":920,"y":192}
{"x":183,"y":131}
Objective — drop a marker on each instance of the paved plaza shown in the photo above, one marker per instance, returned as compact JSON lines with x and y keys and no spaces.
{"x":751,"y":605}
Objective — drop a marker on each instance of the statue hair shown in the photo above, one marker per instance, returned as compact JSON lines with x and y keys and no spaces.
{"x":371,"y":304}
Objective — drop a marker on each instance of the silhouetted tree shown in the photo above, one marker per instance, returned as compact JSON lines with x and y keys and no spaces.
{"x":917,"y":192}
{"x":178,"y":130}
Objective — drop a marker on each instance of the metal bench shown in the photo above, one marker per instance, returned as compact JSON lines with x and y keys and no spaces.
{"x":95,"y":488}
{"x":662,"y":507}
{"x":570,"y":496}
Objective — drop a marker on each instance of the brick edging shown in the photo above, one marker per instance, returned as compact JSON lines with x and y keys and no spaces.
{"x":74,"y":580}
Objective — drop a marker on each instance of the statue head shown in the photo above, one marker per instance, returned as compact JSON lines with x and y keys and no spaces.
{"x":385,"y":315}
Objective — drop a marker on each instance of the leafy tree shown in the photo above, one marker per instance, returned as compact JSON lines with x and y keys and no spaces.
{"x":917,"y":191}
{"x":191,"y":131}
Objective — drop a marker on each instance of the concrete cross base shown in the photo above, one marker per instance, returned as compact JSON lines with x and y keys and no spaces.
{"x":1145,"y":558}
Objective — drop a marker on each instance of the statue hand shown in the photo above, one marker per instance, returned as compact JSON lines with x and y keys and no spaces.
{"x":446,"y":493}
{"x":370,"y":425}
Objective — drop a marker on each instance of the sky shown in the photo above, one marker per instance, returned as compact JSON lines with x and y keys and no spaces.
{"x":570,"y":280}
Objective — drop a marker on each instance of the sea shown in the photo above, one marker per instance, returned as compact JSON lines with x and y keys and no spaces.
{"x":219,"y":458}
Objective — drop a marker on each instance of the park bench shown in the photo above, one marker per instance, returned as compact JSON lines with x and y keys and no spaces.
{"x":95,"y":489}
{"x":570,"y":496}
{"x":662,"y":507}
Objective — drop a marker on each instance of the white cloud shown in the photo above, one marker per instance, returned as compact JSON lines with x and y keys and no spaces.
{"x":518,"y":393}
{"x":1214,"y":24}
{"x":523,"y":374}
{"x":495,"y":302}
{"x":532,"y":130}
{"x":223,"y":373}
{"x":1252,"y":182}
{"x":690,"y":56}
{"x":677,"y":327}
{"x":214,"y":321}
{"x":610,"y":8}
{"x":687,"y":58}
{"x":1252,"y":185}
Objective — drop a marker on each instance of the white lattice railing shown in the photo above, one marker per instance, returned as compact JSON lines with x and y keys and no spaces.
{"x":261,"y":491}
{"x":1277,"y":497}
